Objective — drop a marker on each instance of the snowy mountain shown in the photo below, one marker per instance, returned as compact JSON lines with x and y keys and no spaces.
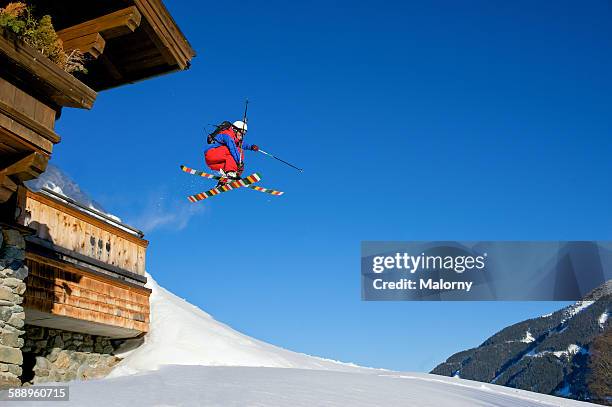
{"x":564,"y":353}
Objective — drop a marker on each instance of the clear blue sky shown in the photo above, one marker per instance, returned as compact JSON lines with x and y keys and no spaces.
{"x":433,"y":120}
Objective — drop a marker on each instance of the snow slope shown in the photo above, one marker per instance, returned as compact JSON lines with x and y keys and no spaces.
{"x":182,"y":334}
{"x":190,"y":359}
{"x":260,"y":386}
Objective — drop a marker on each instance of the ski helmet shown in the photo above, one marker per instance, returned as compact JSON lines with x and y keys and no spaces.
{"x":240,"y":125}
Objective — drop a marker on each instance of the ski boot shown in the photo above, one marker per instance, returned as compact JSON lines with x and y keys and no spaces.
{"x":230,"y":175}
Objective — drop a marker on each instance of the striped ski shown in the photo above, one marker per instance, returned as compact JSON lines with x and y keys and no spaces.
{"x":227,"y":187}
{"x":243,"y":182}
{"x":266,"y":190}
{"x":202,"y":173}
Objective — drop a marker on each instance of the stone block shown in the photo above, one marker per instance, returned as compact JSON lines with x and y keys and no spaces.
{"x":5,"y":313}
{"x":20,"y":289}
{"x":8,"y":328}
{"x":10,"y":355}
{"x":17,"y":308}
{"x":17,"y":320}
{"x":13,"y":238}
{"x":12,"y":252}
{"x":12,"y":282}
{"x":52,"y":356}
{"x":11,"y":339}
{"x":6,"y":294}
{"x":78,"y":358}
{"x":14,"y":369}
{"x":41,"y":372}
{"x":63,"y":361}
{"x":42,"y":363}
{"x":8,"y":380}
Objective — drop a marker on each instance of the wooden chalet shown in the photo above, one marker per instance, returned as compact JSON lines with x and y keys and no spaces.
{"x":86,"y":269}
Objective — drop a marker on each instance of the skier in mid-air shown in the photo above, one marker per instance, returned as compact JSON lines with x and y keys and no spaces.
{"x":225,"y":154}
{"x":225,"y":151}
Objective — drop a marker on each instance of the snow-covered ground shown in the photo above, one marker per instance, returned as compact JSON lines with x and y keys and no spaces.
{"x":259,"y":386}
{"x":190,"y":359}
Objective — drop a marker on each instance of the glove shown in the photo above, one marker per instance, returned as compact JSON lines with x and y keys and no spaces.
{"x":254,"y":148}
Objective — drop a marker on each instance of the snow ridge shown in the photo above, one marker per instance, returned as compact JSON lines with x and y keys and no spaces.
{"x":572,"y":310}
{"x":182,"y":334}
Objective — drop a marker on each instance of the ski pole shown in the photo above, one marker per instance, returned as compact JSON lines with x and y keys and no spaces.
{"x":283,"y":161}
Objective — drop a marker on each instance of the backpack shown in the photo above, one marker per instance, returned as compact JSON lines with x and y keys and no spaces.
{"x":219,"y":128}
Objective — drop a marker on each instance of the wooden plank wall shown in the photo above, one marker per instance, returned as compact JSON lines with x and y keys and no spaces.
{"x":26,"y":117}
{"x":74,"y":230}
{"x":68,"y":291}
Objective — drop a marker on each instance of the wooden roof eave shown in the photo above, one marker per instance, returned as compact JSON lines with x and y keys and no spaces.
{"x":177,"y":49}
{"x":40,"y":75}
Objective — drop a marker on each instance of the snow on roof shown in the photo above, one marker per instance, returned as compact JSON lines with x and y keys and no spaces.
{"x":61,"y":183}
{"x":56,"y":183}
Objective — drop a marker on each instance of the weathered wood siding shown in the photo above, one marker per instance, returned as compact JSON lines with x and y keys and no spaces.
{"x":84,"y":234}
{"x":71,"y":292}
{"x":26,"y":119}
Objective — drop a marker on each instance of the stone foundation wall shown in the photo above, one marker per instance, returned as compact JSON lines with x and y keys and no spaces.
{"x":31,"y":354}
{"x":54,"y":355}
{"x":12,"y":273}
